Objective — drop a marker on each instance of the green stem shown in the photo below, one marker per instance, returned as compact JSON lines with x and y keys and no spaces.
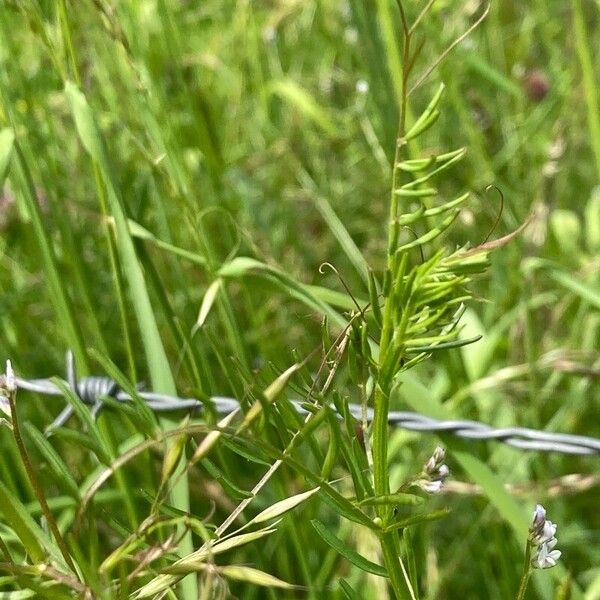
{"x":395,"y":568}
{"x":590,"y":86}
{"x":386,"y":21}
{"x":380,"y":449}
{"x":526,"y":573}
{"x":35,"y":484}
{"x":382,"y":402}
{"x":381,"y":405}
{"x":389,"y":541}
{"x":68,"y":40}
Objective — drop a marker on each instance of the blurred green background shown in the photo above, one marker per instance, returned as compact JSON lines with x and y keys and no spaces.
{"x":252,"y":128}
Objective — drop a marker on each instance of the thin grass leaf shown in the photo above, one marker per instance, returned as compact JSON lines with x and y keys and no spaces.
{"x":586,"y":291}
{"x":351,"y":555}
{"x":7,"y":138}
{"x":58,"y":294}
{"x":85,"y":416}
{"x":142,"y":415}
{"x":61,"y":472}
{"x":340,"y":232}
{"x":335,"y":298}
{"x":34,"y":540}
{"x":242,"y":266}
{"x":207,"y":444}
{"x":157,"y":360}
{"x":140,"y":232}
{"x":296,"y":96}
{"x":158,"y":364}
{"x":197,"y":561}
{"x":283,"y":506}
{"x":590,"y":83}
{"x":349,"y":593}
{"x":433,"y":347}
{"x":254,"y":577}
{"x":155,"y":586}
{"x":219,"y":476}
{"x":78,"y":439}
{"x":418,"y":519}
{"x":244,"y":448}
{"x":391,"y":46}
{"x":207,"y":302}
{"x":214,"y":547}
{"x":342,"y":505}
{"x":270,"y":394}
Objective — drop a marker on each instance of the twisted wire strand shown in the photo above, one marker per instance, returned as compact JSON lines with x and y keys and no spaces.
{"x":92,"y":389}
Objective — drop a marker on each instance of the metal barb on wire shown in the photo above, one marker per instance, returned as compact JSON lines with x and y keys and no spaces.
{"x":91,"y":390}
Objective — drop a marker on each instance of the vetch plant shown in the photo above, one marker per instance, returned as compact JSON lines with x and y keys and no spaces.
{"x":149,"y":114}
{"x":542,"y":536}
{"x":434,"y":472}
{"x":540,"y":551}
{"x":418,"y":305}
{"x":432,"y":477}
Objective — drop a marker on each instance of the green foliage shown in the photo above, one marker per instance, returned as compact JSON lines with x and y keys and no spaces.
{"x":290,"y":201}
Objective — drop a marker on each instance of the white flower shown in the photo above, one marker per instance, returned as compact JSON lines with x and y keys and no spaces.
{"x":546,"y":533}
{"x":443,"y":472}
{"x":542,"y":534}
{"x":539,"y":516}
{"x":546,"y":557}
{"x":10,"y":382}
{"x":436,"y":460}
{"x":541,"y":530}
{"x":432,"y":487}
{"x":8,"y":387}
{"x":434,"y":472}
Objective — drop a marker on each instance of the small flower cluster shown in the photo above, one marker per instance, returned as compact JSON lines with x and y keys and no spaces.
{"x":8,"y":387}
{"x":8,"y":382}
{"x":542,"y":534}
{"x":434,"y":472}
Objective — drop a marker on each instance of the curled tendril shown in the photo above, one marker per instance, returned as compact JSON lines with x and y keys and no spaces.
{"x":328,"y":265}
{"x":497,"y":189}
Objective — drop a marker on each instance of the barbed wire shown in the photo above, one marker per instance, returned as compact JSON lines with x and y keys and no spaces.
{"x":91,"y":390}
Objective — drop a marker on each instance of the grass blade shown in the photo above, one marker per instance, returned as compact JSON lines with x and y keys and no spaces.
{"x":7,"y":138}
{"x":34,"y":540}
{"x":351,"y":555}
{"x":283,"y":506}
